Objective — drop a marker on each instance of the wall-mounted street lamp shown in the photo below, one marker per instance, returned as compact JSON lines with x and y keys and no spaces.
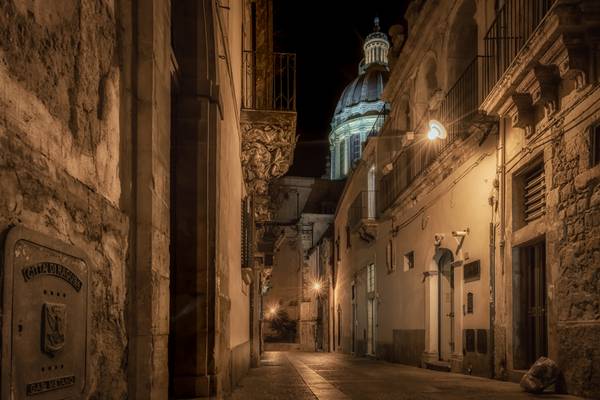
{"x":436,"y":130}
{"x":317,"y":286}
{"x":272,"y":311}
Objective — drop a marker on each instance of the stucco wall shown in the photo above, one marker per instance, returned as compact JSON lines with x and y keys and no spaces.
{"x":233,"y":302}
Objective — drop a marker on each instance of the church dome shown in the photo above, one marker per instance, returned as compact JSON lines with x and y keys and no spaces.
{"x":366,"y":88}
{"x":357,"y":114}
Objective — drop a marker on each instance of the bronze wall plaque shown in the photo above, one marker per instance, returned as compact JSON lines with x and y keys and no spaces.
{"x":45,"y":318}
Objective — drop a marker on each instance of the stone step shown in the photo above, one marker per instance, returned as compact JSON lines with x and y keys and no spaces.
{"x":443,"y":366}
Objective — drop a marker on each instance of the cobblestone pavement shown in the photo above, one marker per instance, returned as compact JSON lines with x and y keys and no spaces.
{"x":330,"y":376}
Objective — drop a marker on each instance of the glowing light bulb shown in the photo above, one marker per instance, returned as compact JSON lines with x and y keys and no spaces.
{"x":436,"y":130}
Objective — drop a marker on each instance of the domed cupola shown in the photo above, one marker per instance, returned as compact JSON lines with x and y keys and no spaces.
{"x":355,"y":115}
{"x":376,"y":49}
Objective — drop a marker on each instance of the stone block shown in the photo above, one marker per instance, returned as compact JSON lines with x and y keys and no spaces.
{"x":543,"y":373}
{"x":579,"y":358}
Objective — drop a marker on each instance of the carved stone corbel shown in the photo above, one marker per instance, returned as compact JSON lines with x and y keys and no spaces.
{"x":521,"y":112}
{"x":544,"y":88}
{"x":268,"y":142}
{"x":573,"y":61}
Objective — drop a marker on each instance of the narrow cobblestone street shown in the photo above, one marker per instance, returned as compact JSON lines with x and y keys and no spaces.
{"x":330,"y":376}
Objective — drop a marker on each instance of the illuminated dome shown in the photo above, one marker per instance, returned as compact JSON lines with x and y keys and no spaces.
{"x":355,"y":115}
{"x":363,"y":91}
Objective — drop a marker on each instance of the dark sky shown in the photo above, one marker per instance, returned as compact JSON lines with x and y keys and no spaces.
{"x":327,"y":36}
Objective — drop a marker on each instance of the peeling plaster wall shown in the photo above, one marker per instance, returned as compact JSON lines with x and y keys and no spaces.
{"x":60,"y":153}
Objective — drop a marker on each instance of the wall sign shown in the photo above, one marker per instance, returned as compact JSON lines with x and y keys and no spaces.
{"x":46,"y":321}
{"x":472,"y":271}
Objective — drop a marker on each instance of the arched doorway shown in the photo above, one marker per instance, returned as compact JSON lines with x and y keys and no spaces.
{"x":446,"y":305}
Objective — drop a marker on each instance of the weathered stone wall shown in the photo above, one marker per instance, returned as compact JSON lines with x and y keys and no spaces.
{"x":574,"y":227}
{"x":60,"y":154}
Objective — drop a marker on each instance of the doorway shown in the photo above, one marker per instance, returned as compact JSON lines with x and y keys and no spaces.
{"x":353,"y":320}
{"x":530,"y":305}
{"x":445,"y":307}
{"x":371,"y":304}
{"x":371,"y":326}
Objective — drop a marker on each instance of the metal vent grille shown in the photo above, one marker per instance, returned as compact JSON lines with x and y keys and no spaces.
{"x":535,"y":194}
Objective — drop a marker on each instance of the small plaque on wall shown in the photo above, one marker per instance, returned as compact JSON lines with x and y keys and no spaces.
{"x":45,"y":328}
{"x":472,"y":271}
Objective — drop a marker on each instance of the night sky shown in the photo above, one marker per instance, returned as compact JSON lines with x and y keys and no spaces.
{"x":327,"y":36}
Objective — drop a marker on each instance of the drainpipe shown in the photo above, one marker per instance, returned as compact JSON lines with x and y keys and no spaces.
{"x":500,"y":171}
{"x":492,"y":295}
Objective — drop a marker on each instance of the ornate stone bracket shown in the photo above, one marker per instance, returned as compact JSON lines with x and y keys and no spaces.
{"x":544,"y":88}
{"x":573,"y":62}
{"x":367,"y":231}
{"x":268,"y":142}
{"x":519,"y":107}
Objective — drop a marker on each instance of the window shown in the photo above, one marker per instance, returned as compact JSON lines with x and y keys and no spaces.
{"x":371,"y":278}
{"x":354,"y":147}
{"x":595,"y":145}
{"x":470,"y":305}
{"x":343,"y":169}
{"x":348,"y":237}
{"x":246,"y":232}
{"x":534,"y":193}
{"x":409,"y":260}
{"x":390,"y":257}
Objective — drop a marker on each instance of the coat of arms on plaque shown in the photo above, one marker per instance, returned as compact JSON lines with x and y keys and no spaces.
{"x":54,"y":326}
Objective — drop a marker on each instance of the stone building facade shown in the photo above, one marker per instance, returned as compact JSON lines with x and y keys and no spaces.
{"x":466,"y":237}
{"x":128,"y":142}
{"x":300,"y":276}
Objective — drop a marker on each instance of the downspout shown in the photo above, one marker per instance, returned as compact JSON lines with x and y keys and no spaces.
{"x":500,"y":182}
{"x":492,"y":295}
{"x":503,"y":221}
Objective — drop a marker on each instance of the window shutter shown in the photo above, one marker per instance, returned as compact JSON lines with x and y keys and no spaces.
{"x":535,"y":194}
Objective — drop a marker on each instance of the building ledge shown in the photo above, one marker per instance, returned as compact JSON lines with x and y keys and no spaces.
{"x":556,"y":51}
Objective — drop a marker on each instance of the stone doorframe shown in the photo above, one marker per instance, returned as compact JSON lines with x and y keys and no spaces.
{"x":431,"y":282}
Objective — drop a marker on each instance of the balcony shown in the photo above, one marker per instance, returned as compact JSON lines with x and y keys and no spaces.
{"x":458,"y":111}
{"x":362,"y":215}
{"x":268,"y":122}
{"x":269,"y":81}
{"x":515,"y":23}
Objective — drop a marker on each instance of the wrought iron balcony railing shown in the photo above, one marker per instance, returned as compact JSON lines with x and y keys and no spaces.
{"x":514,"y":24}
{"x":456,"y":112}
{"x":269,"y":81}
{"x":363,"y":207}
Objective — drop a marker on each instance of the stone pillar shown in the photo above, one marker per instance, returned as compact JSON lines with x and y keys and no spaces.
{"x":150,"y":88}
{"x":196,"y":107}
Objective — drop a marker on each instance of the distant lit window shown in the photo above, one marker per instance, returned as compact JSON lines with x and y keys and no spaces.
{"x":371,"y":278}
{"x":390,"y":257}
{"x":409,"y":260}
